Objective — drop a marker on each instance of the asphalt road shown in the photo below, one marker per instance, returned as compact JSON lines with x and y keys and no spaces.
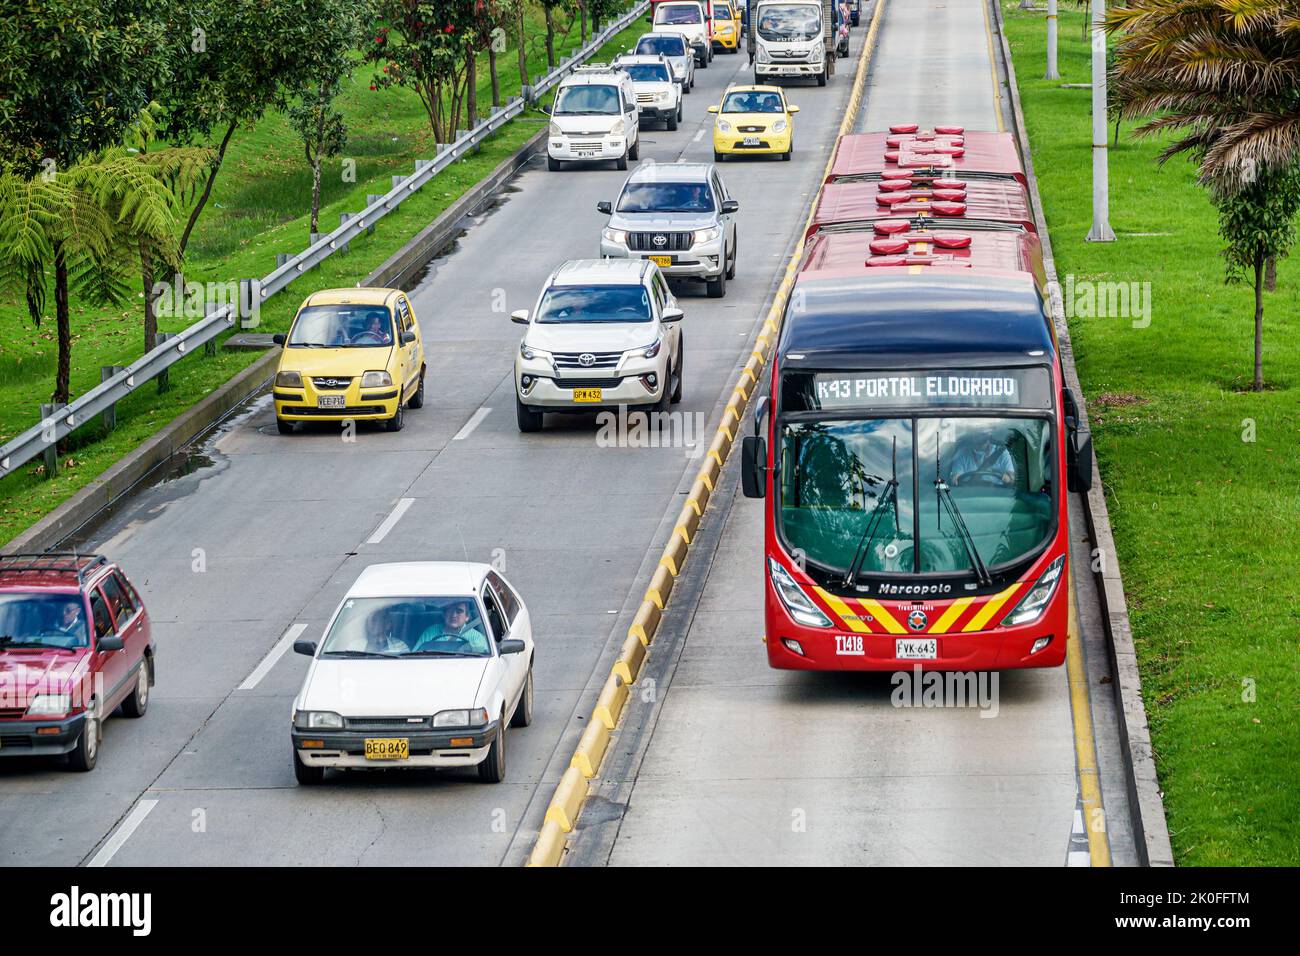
{"x":735,"y":763}
{"x":267,"y":536}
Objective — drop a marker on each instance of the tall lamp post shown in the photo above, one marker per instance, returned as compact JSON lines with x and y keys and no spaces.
{"x":1101,"y":231}
{"x":1052,"y":72}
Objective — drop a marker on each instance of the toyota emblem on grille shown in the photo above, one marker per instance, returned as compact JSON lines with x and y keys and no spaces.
{"x":586,"y":360}
{"x":660,"y":240}
{"x":917,"y":620}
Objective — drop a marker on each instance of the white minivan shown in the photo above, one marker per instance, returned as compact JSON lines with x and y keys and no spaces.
{"x":691,"y":19}
{"x":594,"y":118}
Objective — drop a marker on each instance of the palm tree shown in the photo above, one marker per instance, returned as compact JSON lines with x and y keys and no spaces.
{"x":1222,"y":74}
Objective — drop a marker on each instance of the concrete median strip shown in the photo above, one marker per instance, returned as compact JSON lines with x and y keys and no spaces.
{"x":550,"y":846}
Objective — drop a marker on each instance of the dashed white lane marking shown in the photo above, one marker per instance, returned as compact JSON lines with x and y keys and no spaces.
{"x":129,"y":826}
{"x":472,"y":424}
{"x":391,"y":521}
{"x":273,"y":656}
{"x":698,"y":136}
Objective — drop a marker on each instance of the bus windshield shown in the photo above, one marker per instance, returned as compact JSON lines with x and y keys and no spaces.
{"x":861,"y":494}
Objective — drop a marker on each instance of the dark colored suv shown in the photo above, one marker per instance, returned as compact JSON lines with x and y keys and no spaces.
{"x":75,"y":644}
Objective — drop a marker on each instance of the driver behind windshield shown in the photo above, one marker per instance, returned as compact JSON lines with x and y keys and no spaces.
{"x":70,"y":629}
{"x":984,"y":460}
{"x":453,"y":633}
{"x":376,"y":330}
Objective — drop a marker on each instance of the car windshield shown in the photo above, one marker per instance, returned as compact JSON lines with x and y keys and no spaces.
{"x":342,"y":326}
{"x":587,"y":100}
{"x":598,"y":303}
{"x":648,"y":72}
{"x":836,"y":474}
{"x":448,"y":626}
{"x":668,"y":46}
{"x":793,"y":22}
{"x":753,"y":102}
{"x":683,"y":13}
{"x":666,"y":197}
{"x":42,"y":620}
{"x":722,"y":12}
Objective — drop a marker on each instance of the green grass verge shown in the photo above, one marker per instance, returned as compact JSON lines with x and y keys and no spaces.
{"x":1205,"y":520}
{"x":258,"y":208}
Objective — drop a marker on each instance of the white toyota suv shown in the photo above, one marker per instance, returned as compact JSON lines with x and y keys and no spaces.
{"x":658,"y":96}
{"x":424,"y":664}
{"x":594,"y":118}
{"x":604,"y":333}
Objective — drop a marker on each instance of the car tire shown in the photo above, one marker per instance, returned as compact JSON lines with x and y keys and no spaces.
{"x":283,"y":427}
{"x":671,"y":122}
{"x":523,"y":715}
{"x":757,"y":81}
{"x":417,"y":400}
{"x":731,"y":266}
{"x":621,"y":162}
{"x":821,"y":78}
{"x":138,"y":702}
{"x":634,"y":151}
{"x":681,"y":370}
{"x":493,"y":767}
{"x":679,"y":110}
{"x":553,"y":164}
{"x":717,"y":288}
{"x":305,"y":775}
{"x":529,"y":419}
{"x":719,"y":157}
{"x":785,"y":157}
{"x":395,"y":423}
{"x":85,"y":754}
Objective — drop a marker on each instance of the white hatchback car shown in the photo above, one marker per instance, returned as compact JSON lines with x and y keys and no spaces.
{"x":424,"y":664}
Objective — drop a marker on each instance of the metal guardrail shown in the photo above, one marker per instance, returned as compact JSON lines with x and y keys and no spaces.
{"x":64,"y":420}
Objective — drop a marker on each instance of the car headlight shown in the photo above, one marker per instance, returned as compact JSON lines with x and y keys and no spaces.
{"x":288,"y":379}
{"x":555,"y":130}
{"x":528,"y":353}
{"x":49,"y":705}
{"x":724,"y":126}
{"x":797,"y":604}
{"x":707,"y":235}
{"x":376,"y":379}
{"x":650,"y":351}
{"x":477,"y":717}
{"x":762,"y":55}
{"x":1033,"y":604}
{"x":616,"y":129}
{"x":779,"y":126}
{"x":318,"y":720}
{"x":615,"y":235}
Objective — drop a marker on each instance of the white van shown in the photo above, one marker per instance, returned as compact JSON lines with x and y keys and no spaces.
{"x":692,"y":20}
{"x":790,"y":39}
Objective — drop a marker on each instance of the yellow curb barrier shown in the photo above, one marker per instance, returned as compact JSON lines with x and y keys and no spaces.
{"x":567,"y":800}
{"x":591,"y":749}
{"x":609,"y":706}
{"x":629,"y":660}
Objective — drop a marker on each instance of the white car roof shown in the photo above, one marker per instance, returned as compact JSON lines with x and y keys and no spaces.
{"x":419,"y":579}
{"x":600,"y":272}
{"x":610,"y":77}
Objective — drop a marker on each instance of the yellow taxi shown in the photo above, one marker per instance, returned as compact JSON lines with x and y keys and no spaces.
{"x":753,"y":119}
{"x":726,"y":26}
{"x":350,"y":355}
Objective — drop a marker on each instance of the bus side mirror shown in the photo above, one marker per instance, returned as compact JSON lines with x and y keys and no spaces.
{"x":760,"y":412}
{"x":753,"y":466}
{"x":1078,"y":461}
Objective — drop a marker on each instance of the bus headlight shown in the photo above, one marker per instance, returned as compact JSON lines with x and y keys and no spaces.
{"x":1033,"y":604}
{"x":797,"y":604}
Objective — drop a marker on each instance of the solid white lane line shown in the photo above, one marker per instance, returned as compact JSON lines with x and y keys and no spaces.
{"x":273,"y":656}
{"x":391,"y":521}
{"x":472,"y":424}
{"x":129,"y":826}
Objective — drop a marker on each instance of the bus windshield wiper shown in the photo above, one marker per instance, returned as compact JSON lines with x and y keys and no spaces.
{"x":888,"y":497}
{"x":944,"y":495}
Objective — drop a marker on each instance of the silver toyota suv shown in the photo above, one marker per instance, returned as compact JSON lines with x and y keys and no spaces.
{"x":679,"y":216}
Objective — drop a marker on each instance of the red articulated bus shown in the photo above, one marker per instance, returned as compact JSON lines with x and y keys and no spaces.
{"x":916,"y":450}
{"x":907,"y":153}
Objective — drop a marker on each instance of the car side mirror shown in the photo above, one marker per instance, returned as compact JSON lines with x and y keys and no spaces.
{"x":511,"y":646}
{"x":545,"y":108}
{"x":713,"y":109}
{"x":730,"y":205}
{"x":605,"y":206}
{"x":408,"y":337}
{"x":792,"y":109}
{"x":1078,"y":461}
{"x":279,"y":339}
{"x":753,"y":466}
{"x":305,"y":647}
{"x":107,"y":644}
{"x":672,"y":314}
{"x":519,"y":316}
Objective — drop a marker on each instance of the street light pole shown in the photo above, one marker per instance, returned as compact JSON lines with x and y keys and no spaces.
{"x":1101,"y":231}
{"x":1052,"y":72}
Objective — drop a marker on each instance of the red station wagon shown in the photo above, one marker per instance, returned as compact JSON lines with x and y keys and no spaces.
{"x":75,"y":644}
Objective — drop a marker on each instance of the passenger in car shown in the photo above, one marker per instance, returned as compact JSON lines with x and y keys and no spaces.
{"x":379,"y":634}
{"x":454,"y":631}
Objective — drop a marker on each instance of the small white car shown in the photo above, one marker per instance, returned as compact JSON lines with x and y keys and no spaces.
{"x":658,"y":95}
{"x":604,"y":333}
{"x":424,"y":664}
{"x":594,"y":118}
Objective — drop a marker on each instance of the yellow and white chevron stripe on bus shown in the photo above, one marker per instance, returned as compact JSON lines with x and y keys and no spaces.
{"x":850,"y":620}
{"x":992,"y":607}
{"x":878,"y":613}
